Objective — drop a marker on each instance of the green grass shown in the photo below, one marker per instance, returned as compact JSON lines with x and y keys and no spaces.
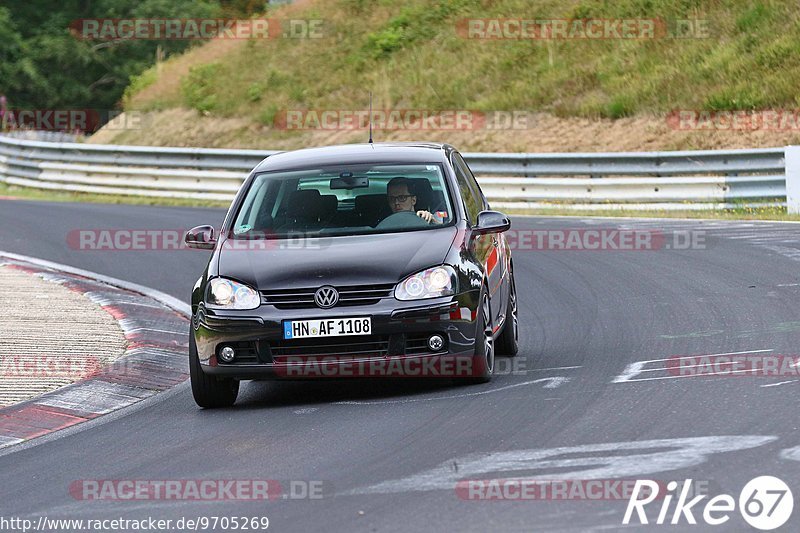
{"x":198,"y":87}
{"x":411,"y":56}
{"x":46,"y":195}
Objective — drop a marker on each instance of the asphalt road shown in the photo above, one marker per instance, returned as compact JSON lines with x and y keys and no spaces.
{"x":390,"y":454}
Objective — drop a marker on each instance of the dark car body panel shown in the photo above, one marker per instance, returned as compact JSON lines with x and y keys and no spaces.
{"x":482,"y":263}
{"x":344,"y":260}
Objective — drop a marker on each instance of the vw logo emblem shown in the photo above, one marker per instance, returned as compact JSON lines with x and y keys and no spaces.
{"x":326,"y":297}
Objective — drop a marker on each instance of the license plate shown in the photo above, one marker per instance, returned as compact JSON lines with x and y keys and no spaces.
{"x":327,"y":327}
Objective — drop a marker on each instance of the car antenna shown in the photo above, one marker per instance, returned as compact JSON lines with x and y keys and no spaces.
{"x":370,"y":117}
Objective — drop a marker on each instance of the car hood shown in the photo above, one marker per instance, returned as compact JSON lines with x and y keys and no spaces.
{"x":338,"y":261}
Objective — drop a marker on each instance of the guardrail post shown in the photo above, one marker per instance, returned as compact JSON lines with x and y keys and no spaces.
{"x":792,"y":155}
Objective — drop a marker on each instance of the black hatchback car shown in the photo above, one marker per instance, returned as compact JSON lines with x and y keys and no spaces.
{"x":379,"y":260}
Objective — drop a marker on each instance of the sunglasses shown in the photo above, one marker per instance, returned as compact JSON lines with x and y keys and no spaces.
{"x":400,"y":198}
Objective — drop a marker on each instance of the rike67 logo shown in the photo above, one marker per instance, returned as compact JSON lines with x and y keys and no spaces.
{"x":765,"y":503}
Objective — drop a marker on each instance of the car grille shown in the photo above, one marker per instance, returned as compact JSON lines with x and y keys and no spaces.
{"x":304,"y":298}
{"x":365,"y":346}
{"x":355,"y":347}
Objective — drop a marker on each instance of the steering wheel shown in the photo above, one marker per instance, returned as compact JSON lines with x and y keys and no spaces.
{"x":401,"y":219}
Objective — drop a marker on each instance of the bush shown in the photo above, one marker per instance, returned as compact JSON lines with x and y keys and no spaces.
{"x":197,"y":87}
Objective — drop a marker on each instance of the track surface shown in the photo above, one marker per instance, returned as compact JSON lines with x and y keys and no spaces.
{"x":597,"y":311}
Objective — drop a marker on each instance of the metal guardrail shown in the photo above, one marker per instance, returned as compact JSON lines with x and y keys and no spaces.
{"x":686,"y":180}
{"x":49,"y":136}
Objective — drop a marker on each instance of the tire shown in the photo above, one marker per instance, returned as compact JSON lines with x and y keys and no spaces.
{"x":483,"y":360}
{"x":508,"y":341}
{"x":209,"y":391}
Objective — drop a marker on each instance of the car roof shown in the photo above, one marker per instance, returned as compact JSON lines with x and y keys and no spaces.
{"x":411,"y":152}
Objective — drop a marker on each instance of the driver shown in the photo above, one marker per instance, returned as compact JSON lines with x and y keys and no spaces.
{"x":401,"y":196}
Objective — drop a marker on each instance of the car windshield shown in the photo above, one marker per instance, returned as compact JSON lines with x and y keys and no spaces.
{"x":346,"y":200}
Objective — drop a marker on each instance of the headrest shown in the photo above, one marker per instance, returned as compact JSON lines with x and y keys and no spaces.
{"x":305,"y":205}
{"x":310,"y":206}
{"x":367,"y":203}
{"x":329,"y":204}
{"x":424,"y":193}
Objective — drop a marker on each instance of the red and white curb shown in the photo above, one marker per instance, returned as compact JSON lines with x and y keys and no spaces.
{"x":156,"y":327}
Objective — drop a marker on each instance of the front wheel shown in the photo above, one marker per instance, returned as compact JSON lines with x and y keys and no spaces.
{"x":508,"y":341}
{"x":209,"y":391}
{"x":483,"y":361}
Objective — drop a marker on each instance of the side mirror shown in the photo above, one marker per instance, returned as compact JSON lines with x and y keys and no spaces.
{"x":491,"y":222}
{"x":201,"y":237}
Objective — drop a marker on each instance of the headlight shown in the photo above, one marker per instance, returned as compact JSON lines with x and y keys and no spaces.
{"x":430,"y":283}
{"x":228,"y":294}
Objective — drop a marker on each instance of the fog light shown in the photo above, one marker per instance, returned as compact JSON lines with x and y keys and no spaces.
{"x":436,"y":342}
{"x":227,"y":354}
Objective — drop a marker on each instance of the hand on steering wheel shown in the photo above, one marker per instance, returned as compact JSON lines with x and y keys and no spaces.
{"x":426,"y":216}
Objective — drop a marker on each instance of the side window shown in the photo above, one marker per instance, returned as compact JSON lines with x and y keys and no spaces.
{"x":472,"y":198}
{"x":472,"y":181}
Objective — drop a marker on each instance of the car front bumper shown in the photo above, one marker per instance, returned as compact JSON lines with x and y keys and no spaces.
{"x":396,"y":346}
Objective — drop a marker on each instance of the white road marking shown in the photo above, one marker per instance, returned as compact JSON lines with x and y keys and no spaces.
{"x":9,"y":441}
{"x":792,"y":454}
{"x":306,"y":410}
{"x":552,"y":383}
{"x":646,"y":457}
{"x":704,"y":374}
{"x":780,"y":383}
{"x":634,"y":369}
{"x":683,"y":366}
{"x":706,"y":355}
